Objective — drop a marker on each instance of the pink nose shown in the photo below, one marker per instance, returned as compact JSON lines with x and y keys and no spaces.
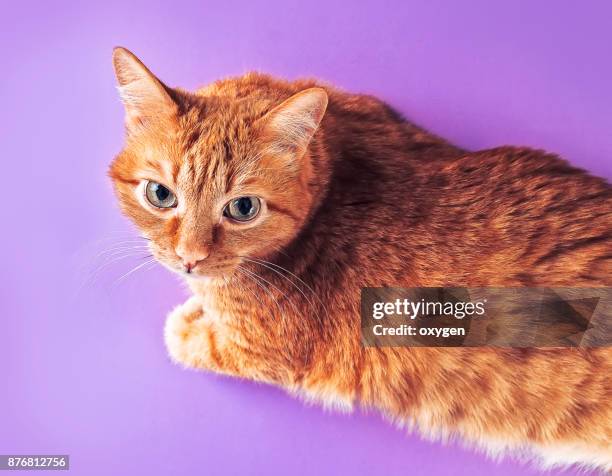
{"x":191,"y":258}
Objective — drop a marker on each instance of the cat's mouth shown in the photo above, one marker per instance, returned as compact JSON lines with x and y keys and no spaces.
{"x":204,"y":271}
{"x":212,"y":267}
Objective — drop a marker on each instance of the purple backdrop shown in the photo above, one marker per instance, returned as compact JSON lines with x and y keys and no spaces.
{"x":81,"y":355}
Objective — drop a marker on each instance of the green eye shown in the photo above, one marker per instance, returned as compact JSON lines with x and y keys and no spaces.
{"x":159,"y":195}
{"x":243,"y":208}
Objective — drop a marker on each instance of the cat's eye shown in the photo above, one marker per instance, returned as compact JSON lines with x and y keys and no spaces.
{"x":159,"y":195}
{"x":242,"y":209}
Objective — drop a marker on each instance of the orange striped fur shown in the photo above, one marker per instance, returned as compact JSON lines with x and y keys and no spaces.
{"x":357,"y":196}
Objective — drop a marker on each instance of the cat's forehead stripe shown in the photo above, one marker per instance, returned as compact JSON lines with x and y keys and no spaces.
{"x":164,"y":167}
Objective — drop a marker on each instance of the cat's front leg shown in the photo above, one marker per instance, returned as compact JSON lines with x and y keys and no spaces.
{"x":191,"y":338}
{"x":198,"y":339}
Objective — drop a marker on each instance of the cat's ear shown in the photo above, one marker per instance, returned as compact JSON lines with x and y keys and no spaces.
{"x":289,"y":127}
{"x":145,"y":97}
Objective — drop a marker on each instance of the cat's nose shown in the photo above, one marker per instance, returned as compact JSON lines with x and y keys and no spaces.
{"x":191,"y":257}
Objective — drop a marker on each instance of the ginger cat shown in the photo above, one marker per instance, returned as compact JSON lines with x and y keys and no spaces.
{"x":278,"y":201}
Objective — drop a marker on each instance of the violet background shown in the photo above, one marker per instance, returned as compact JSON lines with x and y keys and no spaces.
{"x":82,"y":361}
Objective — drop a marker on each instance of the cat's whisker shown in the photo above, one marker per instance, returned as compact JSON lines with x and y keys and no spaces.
{"x":120,"y":249}
{"x":267,"y":264}
{"x":98,"y":270}
{"x":115,"y":248}
{"x":91,"y":278}
{"x":133,"y":270}
{"x":278,"y":249}
{"x":258,"y":284}
{"x":119,"y":240}
{"x":280,"y":291}
{"x":151,"y":265}
{"x":254,"y":278}
{"x":119,"y":255}
{"x":111,"y":243}
{"x":241,"y":287}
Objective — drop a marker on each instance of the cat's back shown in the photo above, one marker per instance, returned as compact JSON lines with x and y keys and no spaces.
{"x":537,"y":216}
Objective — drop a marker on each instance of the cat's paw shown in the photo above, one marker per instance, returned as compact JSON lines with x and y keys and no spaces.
{"x":186,"y":333}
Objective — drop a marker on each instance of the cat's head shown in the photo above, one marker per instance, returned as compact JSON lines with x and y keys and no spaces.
{"x":213,"y":179}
